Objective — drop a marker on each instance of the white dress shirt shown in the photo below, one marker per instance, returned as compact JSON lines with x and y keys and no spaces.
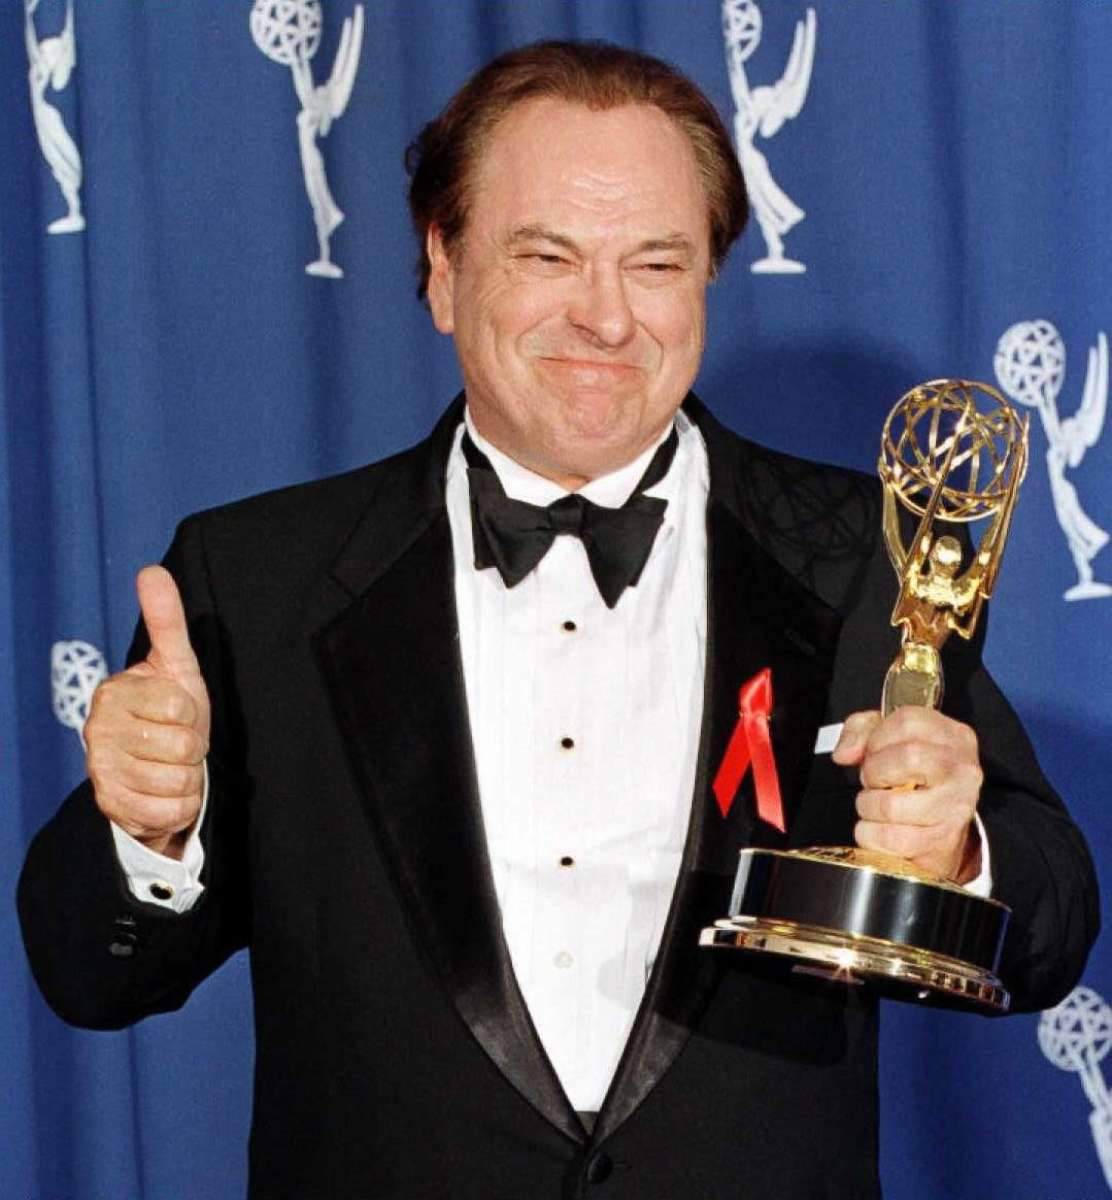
{"x":585,"y":722}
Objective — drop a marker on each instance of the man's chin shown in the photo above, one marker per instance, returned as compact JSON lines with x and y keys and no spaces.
{"x":584,"y":453}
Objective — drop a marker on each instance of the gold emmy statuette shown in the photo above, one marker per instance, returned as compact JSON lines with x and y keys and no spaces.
{"x":952,"y":451}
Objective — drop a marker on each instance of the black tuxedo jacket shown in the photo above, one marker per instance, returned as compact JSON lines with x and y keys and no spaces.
{"x":395,"y":1056}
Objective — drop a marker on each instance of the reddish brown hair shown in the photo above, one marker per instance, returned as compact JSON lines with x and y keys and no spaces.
{"x":597,"y":75}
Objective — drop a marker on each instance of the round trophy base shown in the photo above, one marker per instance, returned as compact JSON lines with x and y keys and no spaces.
{"x":1087,"y":591}
{"x":73,"y":223}
{"x":842,"y":915}
{"x":324,"y":269}
{"x":778,"y":266}
{"x":901,"y":971}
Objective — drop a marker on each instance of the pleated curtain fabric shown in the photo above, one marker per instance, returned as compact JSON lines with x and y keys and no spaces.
{"x":207,"y":289}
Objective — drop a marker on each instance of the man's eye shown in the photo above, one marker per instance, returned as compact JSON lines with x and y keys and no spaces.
{"x":659,"y":268}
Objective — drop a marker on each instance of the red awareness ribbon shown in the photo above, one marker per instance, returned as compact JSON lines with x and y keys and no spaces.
{"x":750,"y":743}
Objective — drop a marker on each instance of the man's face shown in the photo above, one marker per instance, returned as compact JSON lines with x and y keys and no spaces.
{"x":576,"y":295}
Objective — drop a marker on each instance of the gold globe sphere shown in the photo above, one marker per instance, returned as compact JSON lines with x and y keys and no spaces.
{"x":963,"y":433}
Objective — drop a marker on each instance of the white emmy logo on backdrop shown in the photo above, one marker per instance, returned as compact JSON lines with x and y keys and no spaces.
{"x":1030,"y":366}
{"x":51,"y":62}
{"x":288,"y":32}
{"x":1076,"y":1036}
{"x":76,"y":669}
{"x":764,"y":110}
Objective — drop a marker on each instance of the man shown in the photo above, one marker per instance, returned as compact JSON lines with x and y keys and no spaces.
{"x":446,"y":760}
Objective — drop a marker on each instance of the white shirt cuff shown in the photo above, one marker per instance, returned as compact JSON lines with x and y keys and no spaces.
{"x":157,"y":879}
{"x":982,"y":885}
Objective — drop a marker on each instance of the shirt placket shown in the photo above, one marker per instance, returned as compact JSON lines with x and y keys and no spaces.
{"x":564,"y":595}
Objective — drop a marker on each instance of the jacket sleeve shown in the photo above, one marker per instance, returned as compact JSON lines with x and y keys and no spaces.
{"x":102,"y":958}
{"x":1041,"y":865}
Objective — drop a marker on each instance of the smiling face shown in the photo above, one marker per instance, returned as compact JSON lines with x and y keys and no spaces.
{"x":576,"y":295}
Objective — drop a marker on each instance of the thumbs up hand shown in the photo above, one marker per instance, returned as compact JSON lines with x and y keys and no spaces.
{"x":148,"y":729}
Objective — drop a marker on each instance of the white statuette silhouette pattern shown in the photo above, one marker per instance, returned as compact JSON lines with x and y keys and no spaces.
{"x":1075,"y":1036}
{"x":51,"y":63}
{"x":1030,"y":367}
{"x":76,"y":670}
{"x":763,"y":110}
{"x":288,"y":32}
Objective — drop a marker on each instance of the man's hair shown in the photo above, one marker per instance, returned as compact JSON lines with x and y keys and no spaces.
{"x":597,"y":75}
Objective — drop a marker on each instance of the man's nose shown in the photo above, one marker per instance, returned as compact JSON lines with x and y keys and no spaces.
{"x":601,"y":309}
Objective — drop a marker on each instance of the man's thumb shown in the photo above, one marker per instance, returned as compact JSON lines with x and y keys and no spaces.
{"x":164,"y":617}
{"x":850,"y":749}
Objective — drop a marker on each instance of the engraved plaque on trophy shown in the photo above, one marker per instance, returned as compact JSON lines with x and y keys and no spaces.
{"x":952,"y":452}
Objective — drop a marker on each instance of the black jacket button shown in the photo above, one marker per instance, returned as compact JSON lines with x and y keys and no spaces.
{"x":600,"y":1167}
{"x":125,"y":938}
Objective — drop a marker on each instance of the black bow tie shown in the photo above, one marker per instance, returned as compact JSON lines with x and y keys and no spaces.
{"x":514,"y":536}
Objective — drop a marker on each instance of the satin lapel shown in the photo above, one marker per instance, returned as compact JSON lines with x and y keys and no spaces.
{"x":758,"y":616}
{"x":390,"y":659}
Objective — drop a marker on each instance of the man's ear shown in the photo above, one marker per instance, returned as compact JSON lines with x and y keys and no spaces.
{"x":441,"y":282}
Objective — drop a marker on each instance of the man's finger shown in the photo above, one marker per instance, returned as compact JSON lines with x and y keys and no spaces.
{"x":913,"y":723}
{"x":154,"y":741}
{"x":164,"y":618}
{"x":921,"y":765}
{"x":142,"y":693}
{"x":909,"y":806}
{"x":905,"y":841}
{"x":160,"y":781}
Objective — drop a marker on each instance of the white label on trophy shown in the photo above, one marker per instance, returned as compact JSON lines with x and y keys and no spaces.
{"x":828,"y":737}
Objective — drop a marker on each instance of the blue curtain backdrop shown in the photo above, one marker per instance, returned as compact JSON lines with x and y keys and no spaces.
{"x":954,"y":165}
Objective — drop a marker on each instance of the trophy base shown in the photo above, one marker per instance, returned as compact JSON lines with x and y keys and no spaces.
{"x":844,"y":915}
{"x":778,"y":266}
{"x":1087,"y":591}
{"x":73,"y":223}
{"x":902,"y":972}
{"x":324,"y":269}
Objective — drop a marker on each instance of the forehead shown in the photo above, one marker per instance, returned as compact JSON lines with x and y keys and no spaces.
{"x":549,"y":160}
